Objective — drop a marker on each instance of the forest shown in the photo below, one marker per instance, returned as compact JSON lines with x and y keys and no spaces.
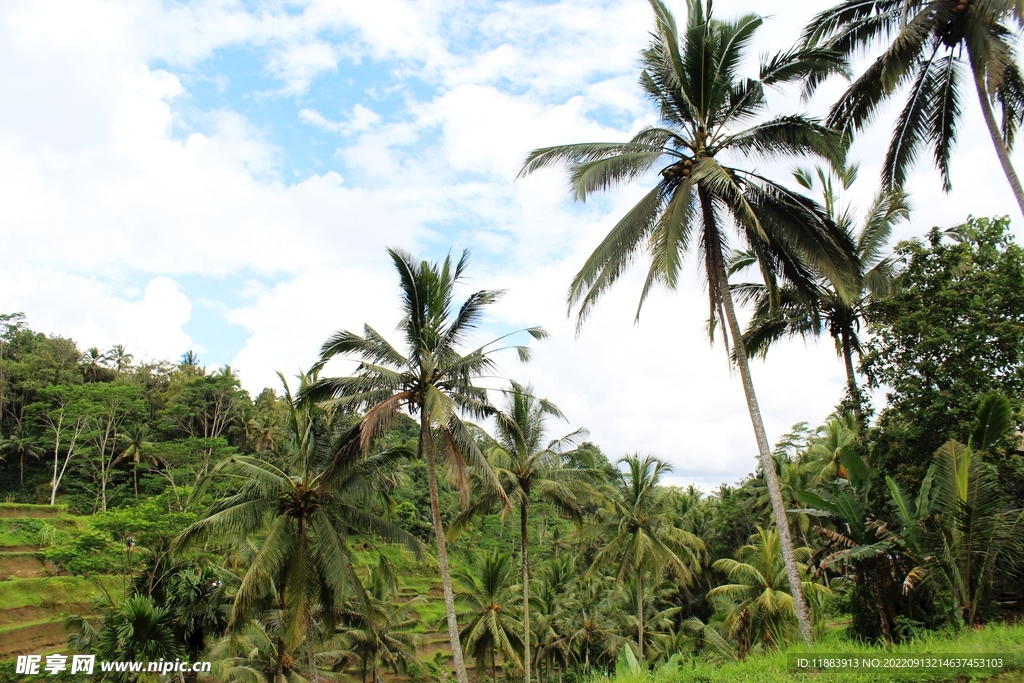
{"x":416,"y":521}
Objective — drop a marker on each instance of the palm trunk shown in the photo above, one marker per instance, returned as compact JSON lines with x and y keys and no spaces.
{"x":427,"y":449}
{"x":640,"y":615}
{"x":767,"y":463}
{"x":997,"y":139}
{"x":307,"y":613}
{"x":851,"y":377}
{"x":524,"y":534}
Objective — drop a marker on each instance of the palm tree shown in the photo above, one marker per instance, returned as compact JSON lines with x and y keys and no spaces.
{"x":305,"y":517}
{"x":928,"y":41}
{"x":93,"y":364}
{"x":198,"y":606}
{"x":434,"y":378}
{"x":490,"y":627}
{"x":829,"y":305}
{"x":257,"y":654}
{"x":118,"y":358}
{"x":763,"y":609}
{"x":379,"y":628}
{"x":136,"y":441}
{"x":705,"y":110}
{"x":525,"y":467}
{"x":634,"y":530}
{"x":137,"y":630}
{"x":975,"y":538}
{"x":20,"y":445}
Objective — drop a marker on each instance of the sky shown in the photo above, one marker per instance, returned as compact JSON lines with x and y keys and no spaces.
{"x":224,"y":176}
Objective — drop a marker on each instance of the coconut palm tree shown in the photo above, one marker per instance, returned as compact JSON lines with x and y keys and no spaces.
{"x":705,"y":111}
{"x":434,"y":379}
{"x":136,"y":441}
{"x":379,"y":628}
{"x":762,"y":610}
{"x":833,"y":306}
{"x":635,"y":532}
{"x":22,"y":446}
{"x":305,"y":514}
{"x":490,"y":626}
{"x":930,"y":42}
{"x":527,"y":467}
{"x":117,"y":358}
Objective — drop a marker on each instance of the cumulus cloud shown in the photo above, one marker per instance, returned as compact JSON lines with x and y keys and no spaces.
{"x":106,"y":183}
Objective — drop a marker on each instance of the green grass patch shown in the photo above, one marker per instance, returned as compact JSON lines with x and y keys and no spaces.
{"x":8,"y":510}
{"x":52,"y":591}
{"x":11,"y":555}
{"x":29,"y":624}
{"x":776,"y":667}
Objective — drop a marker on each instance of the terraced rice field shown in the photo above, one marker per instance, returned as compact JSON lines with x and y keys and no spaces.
{"x":34,"y":602}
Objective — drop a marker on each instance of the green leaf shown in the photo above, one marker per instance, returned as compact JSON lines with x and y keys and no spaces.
{"x":856,"y":468}
{"x":993,"y":420}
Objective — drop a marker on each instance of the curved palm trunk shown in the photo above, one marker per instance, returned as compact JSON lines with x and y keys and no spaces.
{"x":767,"y":464}
{"x":524,"y":537}
{"x":997,"y":140}
{"x":426,"y":448}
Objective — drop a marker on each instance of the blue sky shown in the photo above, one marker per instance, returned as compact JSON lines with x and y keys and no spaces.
{"x":224,"y":176}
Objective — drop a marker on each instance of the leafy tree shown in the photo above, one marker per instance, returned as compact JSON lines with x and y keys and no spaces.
{"x":951,"y":330}
{"x":490,"y":627}
{"x":432,"y":378}
{"x":705,"y":109}
{"x":634,"y":531}
{"x":763,"y":610}
{"x":527,"y":467}
{"x":109,"y":408}
{"x":304,"y":516}
{"x":927,"y":46}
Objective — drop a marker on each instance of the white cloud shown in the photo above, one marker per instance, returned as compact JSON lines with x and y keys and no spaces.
{"x":95,"y":313}
{"x":102,"y":183}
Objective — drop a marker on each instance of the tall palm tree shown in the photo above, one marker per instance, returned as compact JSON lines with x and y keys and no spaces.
{"x":763,"y":610}
{"x":833,"y":306}
{"x":305,"y":514}
{"x":136,"y":441}
{"x":433,"y":378}
{"x":21,"y":445}
{"x":526,"y":466}
{"x":490,"y":626}
{"x":928,"y":41}
{"x":706,"y":109}
{"x":634,"y":530}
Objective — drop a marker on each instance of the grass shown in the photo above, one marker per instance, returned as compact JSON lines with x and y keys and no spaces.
{"x":8,"y":510}
{"x":46,"y":592}
{"x":28,"y":624}
{"x":776,"y":667}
